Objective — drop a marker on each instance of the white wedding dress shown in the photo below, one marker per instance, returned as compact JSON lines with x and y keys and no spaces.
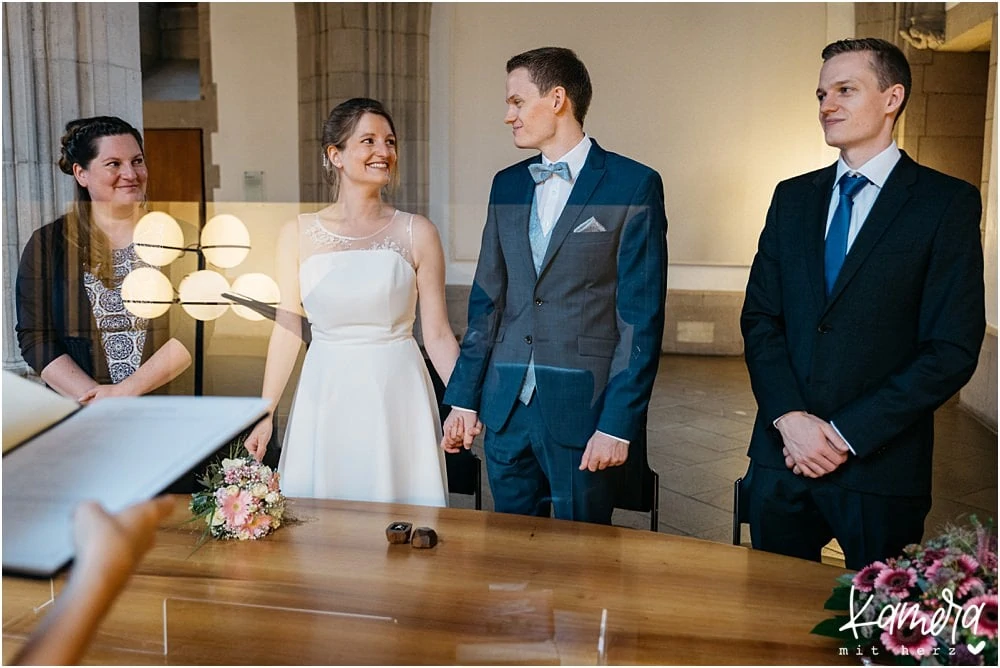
{"x":364,"y":423}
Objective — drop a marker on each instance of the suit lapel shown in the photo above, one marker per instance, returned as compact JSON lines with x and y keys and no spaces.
{"x":586,"y":182}
{"x":894,"y":194}
{"x":519,"y":216}
{"x":818,"y":210}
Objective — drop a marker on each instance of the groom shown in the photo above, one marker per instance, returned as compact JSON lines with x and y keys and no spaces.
{"x":566,"y":310}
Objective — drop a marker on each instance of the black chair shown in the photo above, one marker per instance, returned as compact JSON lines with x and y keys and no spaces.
{"x":741,"y":505}
{"x":465,"y":474}
{"x":639,"y":485}
{"x":465,"y":469}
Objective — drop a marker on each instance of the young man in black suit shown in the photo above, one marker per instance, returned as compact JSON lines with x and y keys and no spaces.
{"x":864,"y":312}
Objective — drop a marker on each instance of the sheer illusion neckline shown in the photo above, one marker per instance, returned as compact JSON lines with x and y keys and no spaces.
{"x":380,"y":230}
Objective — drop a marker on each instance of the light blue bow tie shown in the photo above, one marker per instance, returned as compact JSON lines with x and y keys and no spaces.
{"x":540,"y":173}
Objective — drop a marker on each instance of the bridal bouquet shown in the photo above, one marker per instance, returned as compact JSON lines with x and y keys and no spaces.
{"x":242,"y":499}
{"x":936,"y":604}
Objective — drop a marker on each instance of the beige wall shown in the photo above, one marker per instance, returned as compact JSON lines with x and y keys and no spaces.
{"x":717,"y":97}
{"x":254,"y":64}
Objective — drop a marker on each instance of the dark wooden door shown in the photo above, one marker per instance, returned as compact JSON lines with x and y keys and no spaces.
{"x":174,"y":160}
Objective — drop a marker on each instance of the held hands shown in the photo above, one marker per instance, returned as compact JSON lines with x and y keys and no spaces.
{"x":812,"y":447}
{"x":260,"y":436}
{"x":460,"y":430}
{"x":603,"y":451}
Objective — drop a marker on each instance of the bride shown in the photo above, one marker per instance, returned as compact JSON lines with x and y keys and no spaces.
{"x":364,"y":422}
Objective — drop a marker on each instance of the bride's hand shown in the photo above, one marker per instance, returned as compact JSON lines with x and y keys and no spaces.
{"x":260,"y":436}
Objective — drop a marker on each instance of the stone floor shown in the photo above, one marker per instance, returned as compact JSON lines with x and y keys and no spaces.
{"x":700,"y":417}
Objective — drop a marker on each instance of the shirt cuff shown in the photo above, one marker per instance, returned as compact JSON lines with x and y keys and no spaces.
{"x":459,"y":408}
{"x":614,"y":437}
{"x":843,"y":439}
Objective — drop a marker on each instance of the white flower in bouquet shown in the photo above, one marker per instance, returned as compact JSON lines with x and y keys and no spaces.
{"x":231,"y":464}
{"x":259,"y":490}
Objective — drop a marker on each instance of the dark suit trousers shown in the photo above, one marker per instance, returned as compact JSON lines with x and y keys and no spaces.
{"x":797,"y":516}
{"x":530,"y":473}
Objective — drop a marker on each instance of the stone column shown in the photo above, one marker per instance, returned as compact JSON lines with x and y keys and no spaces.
{"x":60,"y":61}
{"x":377,"y":50}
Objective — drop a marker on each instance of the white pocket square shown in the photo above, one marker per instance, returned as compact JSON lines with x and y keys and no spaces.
{"x":589,"y":225}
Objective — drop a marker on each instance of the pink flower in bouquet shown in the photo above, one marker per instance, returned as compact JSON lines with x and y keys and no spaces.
{"x":235,"y":508}
{"x":967,"y":567}
{"x":865,"y":579}
{"x":909,"y":637}
{"x":958,"y":571}
{"x":987,"y":625}
{"x":896,"y":581}
{"x":260,"y":525}
{"x":930,"y":556}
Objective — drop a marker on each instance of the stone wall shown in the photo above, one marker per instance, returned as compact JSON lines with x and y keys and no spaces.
{"x":377,"y":50}
{"x":61,"y":61}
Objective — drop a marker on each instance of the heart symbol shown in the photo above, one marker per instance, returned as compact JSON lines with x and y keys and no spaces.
{"x":978,"y":647}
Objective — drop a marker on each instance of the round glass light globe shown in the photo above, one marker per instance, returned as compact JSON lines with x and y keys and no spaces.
{"x":158,"y":238}
{"x":256,"y":286}
{"x":201,"y":294}
{"x":147,"y":293}
{"x":225,"y":241}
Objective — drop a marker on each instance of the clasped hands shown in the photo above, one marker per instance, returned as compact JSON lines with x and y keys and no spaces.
{"x":812,"y":447}
{"x":602,"y":451}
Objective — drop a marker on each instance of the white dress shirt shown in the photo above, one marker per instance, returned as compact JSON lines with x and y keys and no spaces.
{"x":552,"y":194}
{"x":877,"y":171}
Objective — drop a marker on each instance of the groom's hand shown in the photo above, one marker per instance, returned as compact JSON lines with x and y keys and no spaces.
{"x":603,"y":451}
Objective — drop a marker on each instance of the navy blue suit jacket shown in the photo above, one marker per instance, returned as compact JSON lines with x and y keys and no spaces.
{"x":897,"y":337}
{"x":593,"y":315}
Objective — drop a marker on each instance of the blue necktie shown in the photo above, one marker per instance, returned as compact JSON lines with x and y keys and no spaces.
{"x":836,"y":236}
{"x":540,"y":173}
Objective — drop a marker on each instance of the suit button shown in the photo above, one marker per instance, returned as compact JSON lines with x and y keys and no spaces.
{"x":538,"y":302}
{"x":825,"y":329}
{"x":527,"y":339}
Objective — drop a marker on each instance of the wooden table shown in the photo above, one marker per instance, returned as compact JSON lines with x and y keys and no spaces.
{"x":496,"y":589}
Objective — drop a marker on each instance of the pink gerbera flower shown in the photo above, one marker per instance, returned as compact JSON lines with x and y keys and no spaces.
{"x":987,"y":624}
{"x":865,"y":579}
{"x":966,"y":567}
{"x":896,"y":581}
{"x":908,"y":638}
{"x":259,"y":525}
{"x":235,"y":508}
